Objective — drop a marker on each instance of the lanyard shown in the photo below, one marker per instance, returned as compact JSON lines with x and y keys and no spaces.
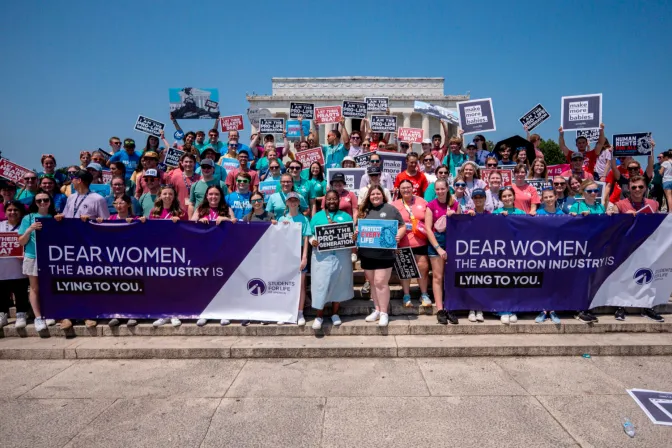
{"x":408,"y":209}
{"x":78,"y":205}
{"x":191,"y":181}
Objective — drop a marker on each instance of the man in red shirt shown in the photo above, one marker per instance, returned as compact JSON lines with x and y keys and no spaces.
{"x":577,"y":168}
{"x":412,"y":174}
{"x":637,"y":202}
{"x":583,"y":147}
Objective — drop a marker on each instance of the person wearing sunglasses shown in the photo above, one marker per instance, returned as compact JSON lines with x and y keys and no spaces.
{"x":148,"y":161}
{"x":482,"y":152}
{"x":527,"y":198}
{"x":577,"y":168}
{"x":302,"y":185}
{"x":7,"y":193}
{"x":441,"y":172}
{"x":386,"y":179}
{"x":115,"y":144}
{"x":270,"y":154}
{"x":258,"y":212}
{"x":30,"y":188}
{"x":590,"y":205}
{"x":633,"y":168}
{"x":243,"y":168}
{"x":563,"y":195}
{"x":41,"y":207}
{"x":334,"y":151}
{"x":239,"y":199}
{"x":48,"y":185}
{"x":366,"y":145}
{"x":147,"y":200}
{"x":277,"y":201}
{"x":219,"y":172}
{"x":12,"y":279}
{"x":461,"y":195}
{"x":48,"y":162}
{"x":583,"y":147}
{"x":355,"y":144}
{"x":198,"y":191}
{"x":429,"y":165}
{"x":491,"y":161}
{"x":213,"y":142}
{"x":129,"y":157}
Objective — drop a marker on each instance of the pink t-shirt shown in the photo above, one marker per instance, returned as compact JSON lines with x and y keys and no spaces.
{"x":182,"y":184}
{"x":141,"y":184}
{"x":418,"y":209}
{"x":166,"y":214}
{"x":625,"y":205}
{"x":438,"y":209}
{"x":347,"y":203}
{"x":525,"y":197}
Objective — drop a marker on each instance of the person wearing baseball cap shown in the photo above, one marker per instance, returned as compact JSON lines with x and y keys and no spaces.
{"x":348,"y":201}
{"x":147,"y":200}
{"x":478,"y":197}
{"x":129,"y":157}
{"x":576,"y":167}
{"x":148,"y":161}
{"x":219,"y":171}
{"x":200,"y":187}
{"x":293,"y":214}
{"x":374,"y":175}
{"x":96,"y":171}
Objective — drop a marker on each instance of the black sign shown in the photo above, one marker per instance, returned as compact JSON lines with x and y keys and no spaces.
{"x":271,"y":125}
{"x":354,"y":109}
{"x":592,"y":135}
{"x":376,"y":104}
{"x":383,"y":123}
{"x":362,"y":160}
{"x":307,"y":110}
{"x":335,"y":236}
{"x":581,"y":112}
{"x":539,"y":185}
{"x":172,"y":156}
{"x":405,"y":265}
{"x":213,"y":106}
{"x":106,"y":154}
{"x":535,"y":117}
{"x":149,"y":126}
{"x":636,"y":144}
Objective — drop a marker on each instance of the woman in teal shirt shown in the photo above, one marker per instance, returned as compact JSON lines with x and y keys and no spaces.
{"x":319,"y":184}
{"x":42,"y":206}
{"x":331,"y":270}
{"x":442,"y":172}
{"x":277,"y":201}
{"x":302,"y":186}
{"x":589,"y":205}
{"x":508,"y":197}
{"x":292,"y":214}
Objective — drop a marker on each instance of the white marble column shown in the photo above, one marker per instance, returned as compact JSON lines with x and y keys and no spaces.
{"x":348,"y":125}
{"x":425,"y":126}
{"x":407,"y":120}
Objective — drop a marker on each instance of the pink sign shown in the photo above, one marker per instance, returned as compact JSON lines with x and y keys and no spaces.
{"x":557,"y":170}
{"x":232,"y":123}
{"x":12,"y":171}
{"x":506,"y":176}
{"x":328,"y":114}
{"x":107,"y":177}
{"x":9,"y":245}
{"x":410,"y":135}
{"x":309,"y":156}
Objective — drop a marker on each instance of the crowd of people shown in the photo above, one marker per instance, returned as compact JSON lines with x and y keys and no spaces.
{"x":446,"y":177}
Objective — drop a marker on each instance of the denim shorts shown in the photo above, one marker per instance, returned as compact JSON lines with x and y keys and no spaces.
{"x":441,"y":240}
{"x":667,"y":185}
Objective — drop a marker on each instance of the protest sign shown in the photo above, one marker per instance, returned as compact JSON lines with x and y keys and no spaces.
{"x":354,"y":109}
{"x":145,"y":278}
{"x":522,"y":263}
{"x":539,"y":184}
{"x":655,"y":404}
{"x":376,"y":104}
{"x":534,"y":117}
{"x":271,"y":125}
{"x":377,"y":233}
{"x":362,"y":160}
{"x":12,"y":171}
{"x":383,"y":123}
{"x":107,"y":176}
{"x":581,"y":112}
{"x":232,"y":123}
{"x":105,"y":154}
{"x":229,"y":164}
{"x":193,"y":103}
{"x":507,"y":178}
{"x":254,"y":114}
{"x":307,"y":110}
{"x":10,"y":246}
{"x":557,"y":170}
{"x":294,"y":131}
{"x":440,"y":112}
{"x":635,"y":144}
{"x":476,"y":116}
{"x":353,"y":177}
{"x":310,"y":156}
{"x":268,"y":187}
{"x":173,"y":157}
{"x":392,"y":162}
{"x":335,"y":236}
{"x":405,"y":264}
{"x":592,"y":135}
{"x":327,"y":114}
{"x":149,"y":126}
{"x":410,"y":135}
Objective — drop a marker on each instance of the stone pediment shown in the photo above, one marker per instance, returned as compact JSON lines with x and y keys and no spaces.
{"x":358,"y":87}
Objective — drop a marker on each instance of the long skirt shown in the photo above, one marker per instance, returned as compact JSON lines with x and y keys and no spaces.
{"x":330,"y":277}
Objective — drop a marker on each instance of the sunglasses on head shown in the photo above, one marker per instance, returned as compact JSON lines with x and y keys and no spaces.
{"x":507,"y":187}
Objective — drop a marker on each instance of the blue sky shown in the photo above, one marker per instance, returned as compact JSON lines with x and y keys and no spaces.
{"x":77,"y":72}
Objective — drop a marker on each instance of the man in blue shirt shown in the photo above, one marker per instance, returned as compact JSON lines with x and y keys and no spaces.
{"x":239,"y":200}
{"x":129,"y":157}
{"x":334,"y":151}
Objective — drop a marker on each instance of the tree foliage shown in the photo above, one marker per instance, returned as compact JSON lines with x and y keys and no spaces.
{"x":553,"y":155}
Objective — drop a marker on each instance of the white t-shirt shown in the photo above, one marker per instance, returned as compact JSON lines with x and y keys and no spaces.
{"x":667,"y":174}
{"x":10,"y":268}
{"x":603,"y":160}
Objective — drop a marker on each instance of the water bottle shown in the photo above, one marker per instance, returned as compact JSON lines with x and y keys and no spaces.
{"x":628,"y":427}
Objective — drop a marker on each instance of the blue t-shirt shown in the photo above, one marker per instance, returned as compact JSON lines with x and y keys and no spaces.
{"x":239,"y":203}
{"x":542,"y":211}
{"x":130,"y":161}
{"x":511,"y":211}
{"x":305,"y":188}
{"x":276,"y":203}
{"x":27,"y":221}
{"x":305,"y":224}
{"x":334,"y":155}
{"x":59,"y":202}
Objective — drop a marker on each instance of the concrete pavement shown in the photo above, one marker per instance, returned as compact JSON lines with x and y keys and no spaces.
{"x":336,"y":402}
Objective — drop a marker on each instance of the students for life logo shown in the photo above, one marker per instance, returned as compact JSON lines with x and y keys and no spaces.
{"x":643,"y":276}
{"x":256,"y":287}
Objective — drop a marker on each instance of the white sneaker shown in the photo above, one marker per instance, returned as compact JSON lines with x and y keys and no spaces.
{"x":353,"y":258}
{"x":513,"y":318}
{"x":280,"y":322}
{"x":201,"y":322}
{"x":175,"y":322}
{"x":479,"y":316}
{"x":317,"y":325}
{"x":301,"y":321}
{"x":384,"y":320}
{"x":472,"y":316}
{"x":336,"y":320}
{"x":40,"y":324}
{"x":373,"y":316}
{"x":225,"y":322}
{"x":160,"y":322}
{"x":50,"y":322}
{"x":3,"y":320}
{"x":505,"y":319}
{"x":21,"y":320}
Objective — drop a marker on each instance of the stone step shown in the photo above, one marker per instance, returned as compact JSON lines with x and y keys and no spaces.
{"x":424,"y":325}
{"x":163,"y":347}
